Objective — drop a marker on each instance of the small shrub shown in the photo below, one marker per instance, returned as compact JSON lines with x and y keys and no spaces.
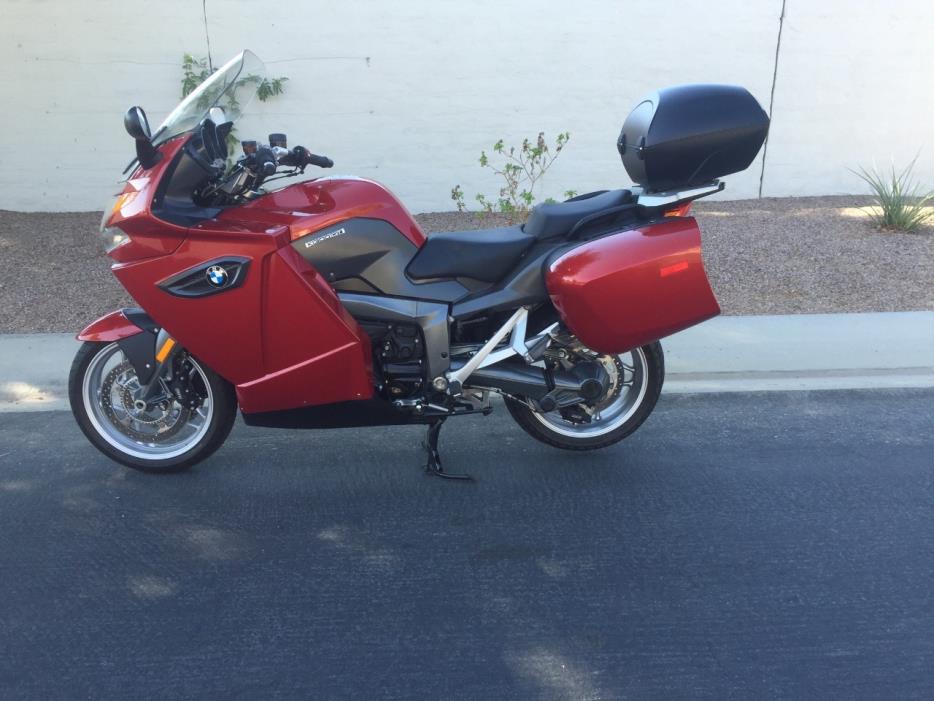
{"x":900,"y":202}
{"x":522,"y":170}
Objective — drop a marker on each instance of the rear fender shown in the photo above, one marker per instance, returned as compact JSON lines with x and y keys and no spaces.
{"x":137,"y":335}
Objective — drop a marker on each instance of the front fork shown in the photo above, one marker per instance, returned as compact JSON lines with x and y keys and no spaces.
{"x":159,"y":370}
{"x":155,"y":388}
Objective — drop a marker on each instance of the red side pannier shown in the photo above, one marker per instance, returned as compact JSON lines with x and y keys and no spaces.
{"x":625,"y":290}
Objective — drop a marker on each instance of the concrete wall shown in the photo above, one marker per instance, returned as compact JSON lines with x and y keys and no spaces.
{"x":409,"y":93}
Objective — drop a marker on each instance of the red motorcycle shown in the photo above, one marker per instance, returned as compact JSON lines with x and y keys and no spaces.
{"x":323,"y":304}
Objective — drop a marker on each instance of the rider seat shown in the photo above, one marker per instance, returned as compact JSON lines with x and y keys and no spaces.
{"x":485,"y":255}
{"x":488,"y":255}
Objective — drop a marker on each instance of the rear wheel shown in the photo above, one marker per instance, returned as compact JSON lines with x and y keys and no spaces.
{"x":636,"y":380}
{"x":167,"y":435}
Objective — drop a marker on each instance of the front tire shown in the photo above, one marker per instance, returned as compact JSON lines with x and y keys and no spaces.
{"x":102,"y":386}
{"x":610,"y":419}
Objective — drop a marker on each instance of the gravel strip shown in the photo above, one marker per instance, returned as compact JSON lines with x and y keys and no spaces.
{"x":769,"y":256}
{"x":55,"y":274}
{"x":813,"y":255}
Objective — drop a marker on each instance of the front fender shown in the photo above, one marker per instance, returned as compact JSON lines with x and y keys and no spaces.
{"x":117,"y":325}
{"x":136,"y":334}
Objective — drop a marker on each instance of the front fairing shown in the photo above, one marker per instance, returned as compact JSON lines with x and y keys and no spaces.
{"x":222,"y":97}
{"x":132,"y":212}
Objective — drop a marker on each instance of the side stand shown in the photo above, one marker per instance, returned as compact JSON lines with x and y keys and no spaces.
{"x":434,"y":457}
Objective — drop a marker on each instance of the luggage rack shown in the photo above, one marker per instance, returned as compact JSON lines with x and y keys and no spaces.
{"x":669,"y":197}
{"x":606,"y":220}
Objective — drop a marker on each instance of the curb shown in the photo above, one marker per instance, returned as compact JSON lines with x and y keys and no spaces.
{"x":727,"y":354}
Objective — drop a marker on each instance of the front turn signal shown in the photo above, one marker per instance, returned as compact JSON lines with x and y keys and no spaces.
{"x":165,"y":350}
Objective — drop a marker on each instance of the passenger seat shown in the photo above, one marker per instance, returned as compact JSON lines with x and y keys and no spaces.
{"x":548,"y":221}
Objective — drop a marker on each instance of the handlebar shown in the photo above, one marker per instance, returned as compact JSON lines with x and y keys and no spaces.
{"x":301,"y":157}
{"x":258,"y":164}
{"x":264,"y":160}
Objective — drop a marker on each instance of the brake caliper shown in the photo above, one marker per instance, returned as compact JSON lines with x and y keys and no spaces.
{"x":185,"y":384}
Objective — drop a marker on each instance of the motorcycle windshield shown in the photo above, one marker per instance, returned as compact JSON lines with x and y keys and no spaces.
{"x":231,"y":88}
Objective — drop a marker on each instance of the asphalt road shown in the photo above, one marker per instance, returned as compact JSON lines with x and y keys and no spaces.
{"x":737,"y":546}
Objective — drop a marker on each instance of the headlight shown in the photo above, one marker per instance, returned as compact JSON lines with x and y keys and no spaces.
{"x":112,"y":237}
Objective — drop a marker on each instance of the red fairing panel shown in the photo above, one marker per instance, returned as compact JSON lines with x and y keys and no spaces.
{"x":281,"y":337}
{"x":628,"y":289}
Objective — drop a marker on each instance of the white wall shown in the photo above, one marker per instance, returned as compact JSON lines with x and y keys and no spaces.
{"x":409,"y":93}
{"x":855,"y":85}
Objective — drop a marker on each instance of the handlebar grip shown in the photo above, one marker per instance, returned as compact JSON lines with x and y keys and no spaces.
{"x":320,"y":161}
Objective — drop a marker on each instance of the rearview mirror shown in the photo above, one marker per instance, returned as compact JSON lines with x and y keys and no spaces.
{"x":136,"y":124}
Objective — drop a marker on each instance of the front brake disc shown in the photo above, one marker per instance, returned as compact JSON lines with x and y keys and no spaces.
{"x":161,"y":423}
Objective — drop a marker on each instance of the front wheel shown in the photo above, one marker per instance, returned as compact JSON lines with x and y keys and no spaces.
{"x":166,"y":435}
{"x":636,"y":380}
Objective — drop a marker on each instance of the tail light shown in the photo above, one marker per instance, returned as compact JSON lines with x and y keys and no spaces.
{"x":679,"y":210}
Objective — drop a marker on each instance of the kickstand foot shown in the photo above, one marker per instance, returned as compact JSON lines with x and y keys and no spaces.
{"x":434,"y":457}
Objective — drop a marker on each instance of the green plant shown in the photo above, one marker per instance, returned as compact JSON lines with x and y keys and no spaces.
{"x":196,"y":70}
{"x":900,"y":202}
{"x":270,"y":87}
{"x":522,"y":170}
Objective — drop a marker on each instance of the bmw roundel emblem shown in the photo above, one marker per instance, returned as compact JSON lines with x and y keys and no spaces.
{"x":216,"y":275}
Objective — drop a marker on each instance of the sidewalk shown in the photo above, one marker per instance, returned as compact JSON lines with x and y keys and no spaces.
{"x":803,"y":352}
{"x":726,"y":354}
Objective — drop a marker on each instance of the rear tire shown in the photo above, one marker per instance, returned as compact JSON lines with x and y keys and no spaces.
{"x":122,"y":442}
{"x":554,"y":430}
